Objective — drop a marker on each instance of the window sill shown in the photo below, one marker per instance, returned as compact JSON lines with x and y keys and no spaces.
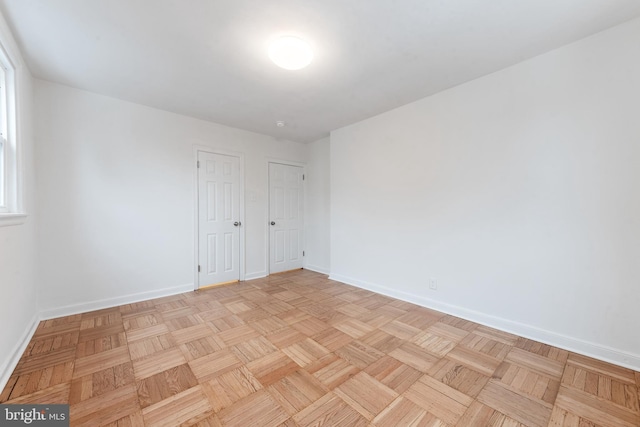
{"x":7,"y":219}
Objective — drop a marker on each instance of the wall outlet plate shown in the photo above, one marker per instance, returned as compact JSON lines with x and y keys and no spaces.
{"x":433,"y":284}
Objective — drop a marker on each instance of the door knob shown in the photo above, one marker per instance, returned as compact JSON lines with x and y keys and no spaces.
{"x":273,"y":223}
{"x":237,"y":223}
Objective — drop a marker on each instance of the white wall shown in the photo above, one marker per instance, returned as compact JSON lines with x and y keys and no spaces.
{"x":18,"y":307}
{"x":317,"y":215}
{"x":517,"y":191}
{"x":117,"y":197}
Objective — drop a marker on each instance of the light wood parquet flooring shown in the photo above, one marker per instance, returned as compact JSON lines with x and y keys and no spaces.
{"x":297,"y":349}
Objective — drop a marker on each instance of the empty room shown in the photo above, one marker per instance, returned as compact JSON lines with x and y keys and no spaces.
{"x":320,"y":213}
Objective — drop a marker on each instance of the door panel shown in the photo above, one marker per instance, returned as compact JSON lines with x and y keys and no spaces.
{"x":218,"y":210}
{"x":211,"y":254}
{"x":285,"y":217}
{"x":211,"y":201}
{"x":279,"y":246}
{"x":294,"y":239}
{"x":228,"y":252}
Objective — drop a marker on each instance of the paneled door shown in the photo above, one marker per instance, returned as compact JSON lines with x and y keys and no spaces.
{"x":285,"y":217}
{"x":218,"y":219}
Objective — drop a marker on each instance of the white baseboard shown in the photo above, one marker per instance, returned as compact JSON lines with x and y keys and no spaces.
{"x":576,"y":345}
{"x":317,"y":269}
{"x":10,"y":364}
{"x":68,"y":310}
{"x":258,"y":275}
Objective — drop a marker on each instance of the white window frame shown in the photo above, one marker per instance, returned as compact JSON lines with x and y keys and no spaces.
{"x":10,"y":200}
{"x":4,"y":170}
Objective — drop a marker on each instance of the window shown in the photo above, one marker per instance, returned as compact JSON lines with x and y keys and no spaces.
{"x":4,"y":208}
{"x":9,"y":197}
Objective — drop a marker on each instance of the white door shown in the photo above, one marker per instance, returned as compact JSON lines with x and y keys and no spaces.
{"x":285,"y":217}
{"x":218,"y":219}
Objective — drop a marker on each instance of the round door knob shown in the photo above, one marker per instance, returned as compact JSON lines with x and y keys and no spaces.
{"x":236,"y":223}
{"x":273,"y":223}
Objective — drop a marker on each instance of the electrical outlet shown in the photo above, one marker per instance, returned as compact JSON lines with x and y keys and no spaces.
{"x":433,"y":284}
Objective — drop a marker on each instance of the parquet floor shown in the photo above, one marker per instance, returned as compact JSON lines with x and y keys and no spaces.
{"x":300,"y":350}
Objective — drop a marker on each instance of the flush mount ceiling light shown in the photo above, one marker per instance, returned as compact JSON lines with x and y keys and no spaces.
{"x":290,"y":53}
{"x":280,"y":123}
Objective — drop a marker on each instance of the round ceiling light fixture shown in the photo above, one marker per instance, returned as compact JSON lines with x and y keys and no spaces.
{"x":290,"y":53}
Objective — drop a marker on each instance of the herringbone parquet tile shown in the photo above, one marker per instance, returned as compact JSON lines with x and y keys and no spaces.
{"x":297,"y":349}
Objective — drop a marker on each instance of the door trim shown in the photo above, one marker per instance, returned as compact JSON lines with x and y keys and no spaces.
{"x":196,"y":221}
{"x":267,"y":237}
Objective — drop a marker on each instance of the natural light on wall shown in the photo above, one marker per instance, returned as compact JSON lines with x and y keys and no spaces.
{"x":290,"y":53}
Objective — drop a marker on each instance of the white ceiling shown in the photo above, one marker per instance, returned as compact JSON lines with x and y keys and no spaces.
{"x":207,"y":58}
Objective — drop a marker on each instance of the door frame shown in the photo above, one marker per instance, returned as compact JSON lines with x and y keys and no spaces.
{"x":196,"y":230}
{"x":267,"y":251}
